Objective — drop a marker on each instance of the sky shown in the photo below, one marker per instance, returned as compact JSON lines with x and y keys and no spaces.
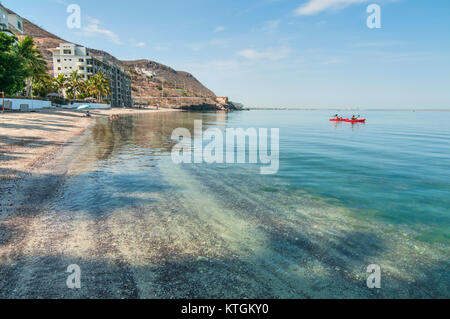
{"x":276,"y":53}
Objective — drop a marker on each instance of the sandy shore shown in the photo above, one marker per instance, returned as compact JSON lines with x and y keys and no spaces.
{"x":28,"y":140}
{"x":29,"y":145}
{"x":34,"y":148}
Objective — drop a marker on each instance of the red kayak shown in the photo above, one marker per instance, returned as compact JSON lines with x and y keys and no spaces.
{"x":338,"y":120}
{"x":355,"y":121}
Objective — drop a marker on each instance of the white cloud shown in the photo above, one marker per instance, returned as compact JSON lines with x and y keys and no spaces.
{"x":269,"y":54}
{"x":93,"y":29}
{"x":219,"y":29}
{"x":271,"y":26}
{"x":315,"y":6}
{"x":140,"y":44}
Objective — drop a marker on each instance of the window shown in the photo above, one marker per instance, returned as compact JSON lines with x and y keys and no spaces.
{"x":59,"y":69}
{"x":19,"y":25}
{"x":67,"y":51}
{"x":81,"y":60}
{"x":59,"y":60}
{"x":81,"y":68}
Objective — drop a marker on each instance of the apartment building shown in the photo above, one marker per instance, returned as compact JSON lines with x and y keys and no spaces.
{"x":3,"y":19}
{"x":69,"y":57}
{"x":10,"y":23}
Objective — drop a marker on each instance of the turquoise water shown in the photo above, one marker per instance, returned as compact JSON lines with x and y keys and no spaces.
{"x":346,"y":196}
{"x":395,"y":168}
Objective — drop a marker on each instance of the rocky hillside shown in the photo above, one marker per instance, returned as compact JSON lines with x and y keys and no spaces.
{"x":152,"y":83}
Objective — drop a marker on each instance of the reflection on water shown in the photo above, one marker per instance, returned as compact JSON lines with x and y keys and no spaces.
{"x":140,"y":226}
{"x":147,"y":131}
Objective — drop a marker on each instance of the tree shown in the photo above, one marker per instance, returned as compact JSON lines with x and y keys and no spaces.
{"x":74,"y":82}
{"x":104,"y":86}
{"x":35,"y":64}
{"x":12,"y":71}
{"x":84,"y":90}
{"x":60,"y":83}
{"x":99,"y":86}
{"x":44,"y":86}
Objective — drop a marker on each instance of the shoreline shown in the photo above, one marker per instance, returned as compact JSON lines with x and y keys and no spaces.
{"x":31,"y":142}
{"x":27,"y":140}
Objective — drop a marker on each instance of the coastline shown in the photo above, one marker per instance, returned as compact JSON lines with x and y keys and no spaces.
{"x":28,"y":140}
{"x":30,"y":143}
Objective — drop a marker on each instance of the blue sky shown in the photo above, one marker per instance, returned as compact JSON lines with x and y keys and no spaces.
{"x":289,"y":53}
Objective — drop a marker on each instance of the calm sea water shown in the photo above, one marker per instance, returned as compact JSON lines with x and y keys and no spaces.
{"x":395,"y":168}
{"x":346,"y":196}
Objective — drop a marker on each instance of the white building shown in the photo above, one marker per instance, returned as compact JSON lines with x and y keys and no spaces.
{"x":15,"y":23}
{"x":147,"y":73}
{"x":10,"y":23}
{"x":69,"y":57}
{"x":3,"y":19}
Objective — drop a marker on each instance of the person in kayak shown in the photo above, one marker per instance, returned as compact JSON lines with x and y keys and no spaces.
{"x":354,"y":118}
{"x":337,"y":117}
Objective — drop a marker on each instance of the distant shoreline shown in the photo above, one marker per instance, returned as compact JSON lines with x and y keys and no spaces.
{"x":346,"y":110}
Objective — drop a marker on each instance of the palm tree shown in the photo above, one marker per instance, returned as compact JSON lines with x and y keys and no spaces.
{"x":91,"y":86}
{"x":74,"y":83}
{"x":35,"y":64}
{"x":104,"y":86}
{"x":100,"y":86}
{"x":44,"y":86}
{"x":83,"y":90}
{"x":60,"y":83}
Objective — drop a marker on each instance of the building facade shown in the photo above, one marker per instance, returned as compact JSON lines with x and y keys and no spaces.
{"x":70,"y":57}
{"x":3,"y":19}
{"x":10,"y":23}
